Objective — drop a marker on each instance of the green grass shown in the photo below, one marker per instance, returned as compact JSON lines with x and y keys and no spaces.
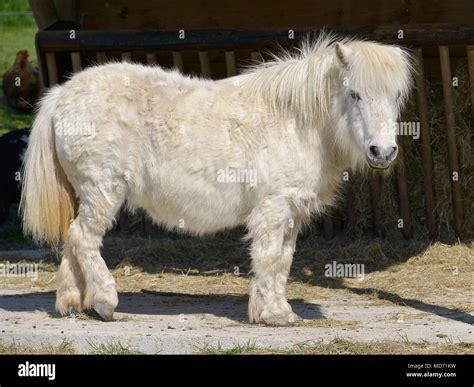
{"x":13,"y":348}
{"x":17,"y":32}
{"x":16,"y":13}
{"x":340,"y":346}
{"x":337,"y":346}
{"x":239,"y":349}
{"x":109,"y":348}
{"x":112,"y":348}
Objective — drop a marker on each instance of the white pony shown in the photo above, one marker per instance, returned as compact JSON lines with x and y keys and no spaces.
{"x":266,"y":149}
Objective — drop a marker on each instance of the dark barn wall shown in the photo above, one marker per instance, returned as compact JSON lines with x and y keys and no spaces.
{"x":431,"y":107}
{"x":253,"y":15}
{"x":267,"y":14}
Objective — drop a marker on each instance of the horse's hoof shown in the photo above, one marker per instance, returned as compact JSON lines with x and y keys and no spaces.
{"x":104,"y":301}
{"x":279,"y":319}
{"x":105,"y":311}
{"x":68,"y":302}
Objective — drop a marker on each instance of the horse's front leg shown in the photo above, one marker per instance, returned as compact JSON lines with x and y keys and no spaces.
{"x":274,"y":232}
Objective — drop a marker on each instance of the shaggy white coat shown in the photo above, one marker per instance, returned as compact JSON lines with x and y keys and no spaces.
{"x":178,"y":147}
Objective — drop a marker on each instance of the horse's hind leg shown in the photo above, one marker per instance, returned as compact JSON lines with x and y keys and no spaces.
{"x":97,"y":209}
{"x":69,"y":296}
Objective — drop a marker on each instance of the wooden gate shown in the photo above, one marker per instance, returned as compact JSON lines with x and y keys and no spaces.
{"x":216,"y":54}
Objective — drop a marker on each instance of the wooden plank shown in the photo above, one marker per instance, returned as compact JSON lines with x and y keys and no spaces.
{"x":470,"y":63}
{"x":230,"y":63}
{"x":425,"y":145}
{"x":66,"y":9}
{"x":376,"y":202}
{"x":42,"y":68}
{"x":454,"y":166}
{"x":100,"y":40}
{"x":266,"y":14}
{"x":52,"y":68}
{"x":403,"y":197}
{"x":151,"y":58}
{"x":256,"y":56}
{"x":100,"y":57}
{"x":350,"y":204}
{"x":178,"y":61}
{"x":126,"y":56}
{"x":76,"y":62}
{"x":44,"y":12}
{"x":205,"y":64}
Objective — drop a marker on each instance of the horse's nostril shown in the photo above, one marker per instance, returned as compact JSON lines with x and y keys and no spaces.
{"x":392,"y":151}
{"x":374,"y":151}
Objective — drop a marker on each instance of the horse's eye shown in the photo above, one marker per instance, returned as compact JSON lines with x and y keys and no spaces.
{"x":355,"y":95}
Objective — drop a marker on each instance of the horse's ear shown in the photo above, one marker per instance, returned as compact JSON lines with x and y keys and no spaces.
{"x":343,"y":53}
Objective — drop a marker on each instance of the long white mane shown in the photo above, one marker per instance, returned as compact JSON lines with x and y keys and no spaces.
{"x":301,"y":83}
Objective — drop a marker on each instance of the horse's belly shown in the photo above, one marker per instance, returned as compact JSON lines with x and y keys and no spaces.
{"x":193,"y":204}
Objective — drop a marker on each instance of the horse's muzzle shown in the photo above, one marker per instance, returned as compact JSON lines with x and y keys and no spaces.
{"x":381,"y":157}
{"x":378,"y":164}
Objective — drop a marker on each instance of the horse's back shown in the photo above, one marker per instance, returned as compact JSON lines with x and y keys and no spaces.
{"x":163,"y":134}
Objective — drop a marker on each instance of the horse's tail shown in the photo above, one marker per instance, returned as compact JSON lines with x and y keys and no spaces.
{"x":48,"y":202}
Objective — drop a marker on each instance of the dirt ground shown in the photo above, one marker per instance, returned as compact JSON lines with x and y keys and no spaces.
{"x":181,"y":296}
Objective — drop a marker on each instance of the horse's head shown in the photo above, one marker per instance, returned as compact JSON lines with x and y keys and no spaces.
{"x":374,"y":83}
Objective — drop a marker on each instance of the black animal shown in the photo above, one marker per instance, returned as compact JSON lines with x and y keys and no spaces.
{"x":12,"y":149}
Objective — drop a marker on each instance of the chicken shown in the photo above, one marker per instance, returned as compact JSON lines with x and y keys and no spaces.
{"x":21,"y":84}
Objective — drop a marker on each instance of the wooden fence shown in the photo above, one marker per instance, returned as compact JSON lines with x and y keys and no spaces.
{"x":67,"y":50}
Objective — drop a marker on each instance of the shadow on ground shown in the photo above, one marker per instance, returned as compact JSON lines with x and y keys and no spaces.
{"x":231,"y":306}
{"x":174,"y":253}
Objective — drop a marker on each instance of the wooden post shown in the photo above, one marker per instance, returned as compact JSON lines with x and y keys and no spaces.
{"x":42,"y":67}
{"x":76,"y":62}
{"x":403,"y":198}
{"x":470,"y":64}
{"x":454,"y":167}
{"x":66,"y":9}
{"x":350,"y":203}
{"x":151,"y":58}
{"x":376,"y":202}
{"x":44,"y":12}
{"x":52,"y":69}
{"x":255,"y":56}
{"x":205,"y":64}
{"x":178,"y":61}
{"x":425,"y":146}
{"x":230,"y":63}
{"x":100,"y":57}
